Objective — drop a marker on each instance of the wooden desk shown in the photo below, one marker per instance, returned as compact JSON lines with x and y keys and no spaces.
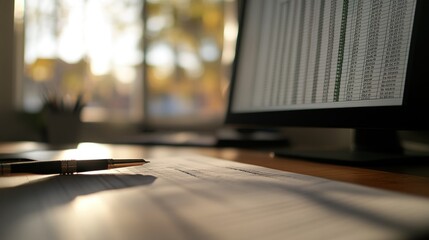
{"x":57,"y":204}
{"x":405,"y":183}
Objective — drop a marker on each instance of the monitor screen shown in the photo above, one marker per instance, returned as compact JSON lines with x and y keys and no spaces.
{"x":339,"y":63}
{"x":332,"y":63}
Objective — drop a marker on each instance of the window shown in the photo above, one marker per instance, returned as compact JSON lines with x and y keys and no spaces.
{"x":88,"y":47}
{"x":96,"y":47}
{"x":189,"y":48}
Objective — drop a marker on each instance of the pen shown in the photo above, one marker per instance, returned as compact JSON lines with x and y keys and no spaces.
{"x":66,"y":166}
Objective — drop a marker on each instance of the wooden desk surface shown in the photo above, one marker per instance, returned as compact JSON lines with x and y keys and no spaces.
{"x":198,"y":198}
{"x":384,"y":179}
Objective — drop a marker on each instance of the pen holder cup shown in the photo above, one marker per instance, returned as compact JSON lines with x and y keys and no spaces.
{"x":62,"y":128}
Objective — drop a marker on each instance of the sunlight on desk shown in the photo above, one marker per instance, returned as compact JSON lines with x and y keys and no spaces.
{"x":87,"y":151}
{"x":199,"y":197}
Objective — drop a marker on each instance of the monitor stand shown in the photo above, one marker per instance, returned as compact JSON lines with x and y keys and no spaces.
{"x":370,"y":147}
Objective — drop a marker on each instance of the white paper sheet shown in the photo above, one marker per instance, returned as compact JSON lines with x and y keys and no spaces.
{"x":198,"y":197}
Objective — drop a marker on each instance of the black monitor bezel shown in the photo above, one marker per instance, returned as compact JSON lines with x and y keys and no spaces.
{"x":410,"y":116}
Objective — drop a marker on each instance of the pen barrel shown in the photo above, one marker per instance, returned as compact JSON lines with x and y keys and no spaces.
{"x":48,"y":167}
{"x":62,"y":167}
{"x":92,"y":165}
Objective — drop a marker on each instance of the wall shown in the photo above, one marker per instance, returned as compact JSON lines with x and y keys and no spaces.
{"x":6,"y":56}
{"x":12,"y":126}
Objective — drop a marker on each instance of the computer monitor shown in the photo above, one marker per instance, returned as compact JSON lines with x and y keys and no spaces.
{"x":358,"y":64}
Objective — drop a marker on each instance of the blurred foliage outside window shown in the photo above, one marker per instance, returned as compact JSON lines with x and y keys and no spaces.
{"x":132,"y":59}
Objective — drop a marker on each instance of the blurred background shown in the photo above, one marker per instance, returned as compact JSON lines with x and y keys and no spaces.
{"x":134,"y":66}
{"x":152,"y":64}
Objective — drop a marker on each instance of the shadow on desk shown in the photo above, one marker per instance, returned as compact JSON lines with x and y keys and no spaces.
{"x":54,"y":191}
